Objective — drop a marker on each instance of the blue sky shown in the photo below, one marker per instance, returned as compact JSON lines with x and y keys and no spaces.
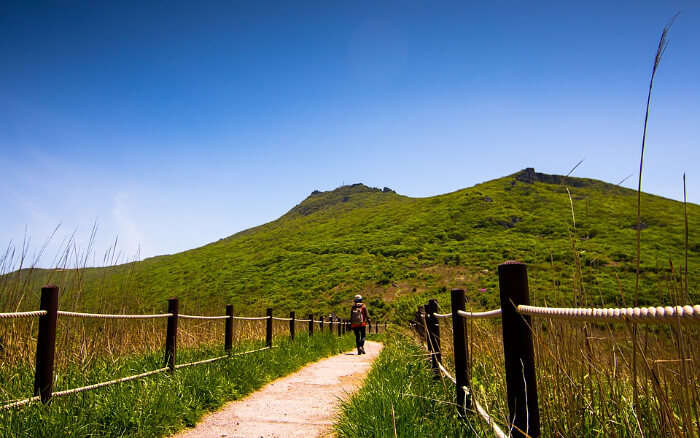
{"x":174,"y":124}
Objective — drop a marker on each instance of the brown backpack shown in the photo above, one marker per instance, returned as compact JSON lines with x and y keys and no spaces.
{"x":357,"y":316}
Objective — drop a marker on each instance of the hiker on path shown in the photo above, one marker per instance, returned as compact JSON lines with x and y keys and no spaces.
{"x":359,"y":317}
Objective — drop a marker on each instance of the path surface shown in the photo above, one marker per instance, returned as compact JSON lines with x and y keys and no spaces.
{"x":303,"y":404}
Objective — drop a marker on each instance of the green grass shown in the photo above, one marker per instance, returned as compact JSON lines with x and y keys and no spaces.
{"x":401,"y":390}
{"x":157,"y":405}
{"x":398,"y":251}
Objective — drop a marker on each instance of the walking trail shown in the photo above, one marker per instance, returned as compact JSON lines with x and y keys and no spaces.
{"x":303,"y":404}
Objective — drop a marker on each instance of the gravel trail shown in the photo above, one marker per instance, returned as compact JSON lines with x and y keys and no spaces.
{"x":302,"y":404}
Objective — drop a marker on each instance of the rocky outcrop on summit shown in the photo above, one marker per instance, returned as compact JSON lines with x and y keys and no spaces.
{"x":529,"y":176}
{"x":355,"y":194}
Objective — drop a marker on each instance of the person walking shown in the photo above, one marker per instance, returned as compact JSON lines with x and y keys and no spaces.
{"x":359,"y":317}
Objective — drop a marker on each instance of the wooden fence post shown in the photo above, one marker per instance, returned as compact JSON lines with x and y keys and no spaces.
{"x":320,"y":324}
{"x":339,"y":326}
{"x":426,"y":322}
{"x":461,"y":353}
{"x":345,"y":326}
{"x":46,"y":343}
{"x":434,"y":335}
{"x":171,"y":334}
{"x":228,"y":341}
{"x":330,"y":325}
{"x":311,"y":324}
{"x":521,"y":384}
{"x":268,"y":329}
{"x":291,"y":325}
{"x":421,"y":323}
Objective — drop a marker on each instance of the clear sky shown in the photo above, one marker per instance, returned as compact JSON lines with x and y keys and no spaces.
{"x":174,"y":124}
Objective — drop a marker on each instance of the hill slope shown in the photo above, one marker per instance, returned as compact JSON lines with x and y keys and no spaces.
{"x":398,"y":250}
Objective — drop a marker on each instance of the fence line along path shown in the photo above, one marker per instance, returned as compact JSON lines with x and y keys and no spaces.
{"x":46,"y":342}
{"x":519,"y":358}
{"x":303,"y":404}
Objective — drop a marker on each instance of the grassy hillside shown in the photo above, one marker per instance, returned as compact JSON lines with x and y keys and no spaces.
{"x":399,"y":250}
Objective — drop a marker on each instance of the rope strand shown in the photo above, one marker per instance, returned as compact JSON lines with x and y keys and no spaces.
{"x":22,"y":314}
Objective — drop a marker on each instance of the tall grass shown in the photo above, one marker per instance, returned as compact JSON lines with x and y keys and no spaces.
{"x":400,"y":398}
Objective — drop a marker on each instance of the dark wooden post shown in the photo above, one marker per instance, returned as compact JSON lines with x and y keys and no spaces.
{"x":311,"y":324}
{"x":521,"y":384}
{"x":268,"y":331}
{"x":459,"y":339}
{"x":171,"y":334}
{"x":320,"y":325}
{"x":46,"y":343}
{"x":345,"y":326}
{"x":291,"y":325}
{"x":339,"y":326}
{"x":421,"y":323}
{"x":428,"y":337}
{"x":228,"y":342}
{"x":434,"y":334}
{"x":330,"y":320}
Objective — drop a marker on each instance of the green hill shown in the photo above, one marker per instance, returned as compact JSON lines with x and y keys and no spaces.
{"x":398,"y":250}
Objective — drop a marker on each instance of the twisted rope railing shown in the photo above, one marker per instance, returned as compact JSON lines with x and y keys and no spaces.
{"x":474,"y":315}
{"x":19,"y":403}
{"x":111,"y":382}
{"x":13,"y":315}
{"x":83,"y":388}
{"x":200,"y":362}
{"x":471,"y":315}
{"x":110,"y":316}
{"x":633,"y":314}
{"x":281,"y":319}
{"x":180,"y":315}
{"x":251,"y":318}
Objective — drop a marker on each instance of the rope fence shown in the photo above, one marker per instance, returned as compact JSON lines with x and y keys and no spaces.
{"x":632,"y":314}
{"x":83,"y":388}
{"x":15,"y":315}
{"x":46,"y":341}
{"x":476,"y":315}
{"x":200,"y":362}
{"x":210,"y":318}
{"x":472,"y":315}
{"x":110,"y":316}
{"x":515,"y":313}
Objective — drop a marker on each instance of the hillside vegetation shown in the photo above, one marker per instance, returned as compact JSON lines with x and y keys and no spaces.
{"x":398,"y":250}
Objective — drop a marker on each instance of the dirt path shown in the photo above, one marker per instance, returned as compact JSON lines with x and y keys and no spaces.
{"x":302,"y":404}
